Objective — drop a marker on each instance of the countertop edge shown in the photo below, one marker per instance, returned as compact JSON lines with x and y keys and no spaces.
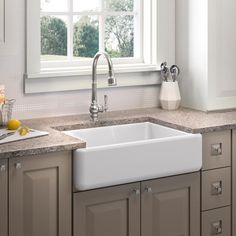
{"x":187,"y":120}
{"x":42,"y":150}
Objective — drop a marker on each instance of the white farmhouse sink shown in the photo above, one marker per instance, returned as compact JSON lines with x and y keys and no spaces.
{"x":133,"y":152}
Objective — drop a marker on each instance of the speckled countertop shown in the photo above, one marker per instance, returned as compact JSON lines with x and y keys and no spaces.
{"x":184,"y":119}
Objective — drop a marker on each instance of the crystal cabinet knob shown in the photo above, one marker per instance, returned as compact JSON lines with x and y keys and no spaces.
{"x":18,"y":165}
{"x":2,"y":168}
{"x":216,"y":188}
{"x":216,"y":149}
{"x":136,"y":191}
{"x":148,"y":189}
{"x":216,"y":228}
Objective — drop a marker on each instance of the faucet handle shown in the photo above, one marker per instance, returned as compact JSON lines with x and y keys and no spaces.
{"x":105,"y":103}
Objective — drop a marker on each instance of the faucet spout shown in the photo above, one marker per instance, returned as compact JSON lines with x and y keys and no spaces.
{"x":94,"y":107}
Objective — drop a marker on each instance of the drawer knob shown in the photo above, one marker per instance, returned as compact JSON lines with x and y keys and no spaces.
{"x":216,"y":228}
{"x":216,"y":149}
{"x":148,"y":189}
{"x":136,"y":191}
{"x":216,"y":188}
{"x":2,"y":168}
{"x":18,"y":165}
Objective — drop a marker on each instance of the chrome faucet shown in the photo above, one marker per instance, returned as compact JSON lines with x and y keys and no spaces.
{"x":95,"y":108}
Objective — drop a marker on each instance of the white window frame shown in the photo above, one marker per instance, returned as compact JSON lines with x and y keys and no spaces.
{"x":102,"y":14}
{"x":158,"y":45}
{"x":2,"y":21}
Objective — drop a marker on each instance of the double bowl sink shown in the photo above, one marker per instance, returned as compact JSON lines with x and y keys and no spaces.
{"x":133,"y":152}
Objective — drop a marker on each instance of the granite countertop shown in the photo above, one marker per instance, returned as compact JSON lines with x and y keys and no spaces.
{"x":188,"y":120}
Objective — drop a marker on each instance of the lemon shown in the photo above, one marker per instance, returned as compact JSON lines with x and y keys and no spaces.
{"x":13,"y":124}
{"x":23,"y":131}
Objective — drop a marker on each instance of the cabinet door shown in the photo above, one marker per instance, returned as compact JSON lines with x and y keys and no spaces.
{"x":40,"y":195}
{"x":171,"y":206}
{"x":3,"y":198}
{"x":113,"y":211}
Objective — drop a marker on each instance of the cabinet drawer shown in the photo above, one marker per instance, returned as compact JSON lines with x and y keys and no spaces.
{"x":216,"y":188}
{"x":216,"y":222}
{"x":216,"y":150}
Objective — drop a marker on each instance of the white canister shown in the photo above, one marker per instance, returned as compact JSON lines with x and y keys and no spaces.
{"x":170,"y":96}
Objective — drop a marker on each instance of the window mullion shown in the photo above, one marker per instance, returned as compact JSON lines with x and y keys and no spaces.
{"x":112,"y":13}
{"x":70,"y":33}
{"x":102,"y":19}
{"x":138,"y":29}
{"x":54,"y":13}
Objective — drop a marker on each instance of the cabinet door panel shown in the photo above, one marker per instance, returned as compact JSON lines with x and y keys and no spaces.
{"x":40,"y":195}
{"x":3,"y":198}
{"x":40,"y":201}
{"x":174,"y":202}
{"x":114,"y":211}
{"x":171,"y":206}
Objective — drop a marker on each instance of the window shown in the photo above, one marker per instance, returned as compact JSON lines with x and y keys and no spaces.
{"x":63,"y":36}
{"x":72,"y":31}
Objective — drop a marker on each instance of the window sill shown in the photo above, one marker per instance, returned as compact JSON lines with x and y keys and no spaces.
{"x":68,"y":79}
{"x":62,"y":72}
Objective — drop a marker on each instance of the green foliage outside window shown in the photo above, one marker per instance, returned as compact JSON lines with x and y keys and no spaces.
{"x":119,"y":33}
{"x":119,"y":5}
{"x":86,"y":38}
{"x":53,"y":36}
{"x":121,"y":28}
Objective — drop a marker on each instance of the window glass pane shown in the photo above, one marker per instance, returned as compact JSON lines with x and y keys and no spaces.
{"x":53,"y":5}
{"x":86,"y":5}
{"x":53,"y":38}
{"x":86,"y":36}
{"x":119,"y":36}
{"x":121,"y":5}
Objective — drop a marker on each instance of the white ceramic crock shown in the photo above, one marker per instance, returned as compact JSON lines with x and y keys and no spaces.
{"x":170,"y":95}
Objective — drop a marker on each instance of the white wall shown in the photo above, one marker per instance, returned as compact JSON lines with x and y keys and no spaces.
{"x":191,"y":51}
{"x":222,"y":54}
{"x":12,"y":67}
{"x":205,"y":49}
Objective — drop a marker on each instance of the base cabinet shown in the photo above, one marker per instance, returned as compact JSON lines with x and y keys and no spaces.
{"x":40,"y":195}
{"x":3,"y":198}
{"x":169,"y":207}
{"x":216,"y":187}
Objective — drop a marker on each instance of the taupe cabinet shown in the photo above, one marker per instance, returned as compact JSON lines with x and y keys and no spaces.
{"x":165,"y":207}
{"x":113,"y":211}
{"x":3,"y":198}
{"x":216,"y":184}
{"x":40,"y":196}
{"x":171,"y":206}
